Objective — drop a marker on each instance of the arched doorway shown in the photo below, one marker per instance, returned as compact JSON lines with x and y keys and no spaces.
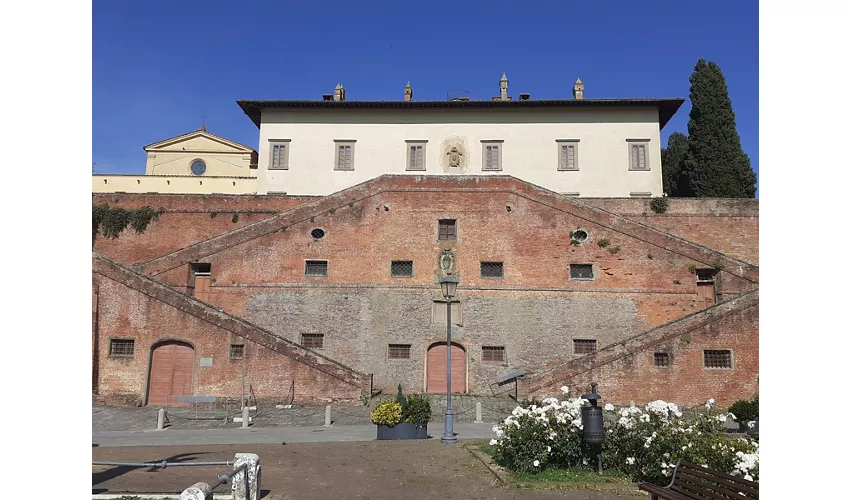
{"x":171,"y":372}
{"x":436,"y":368}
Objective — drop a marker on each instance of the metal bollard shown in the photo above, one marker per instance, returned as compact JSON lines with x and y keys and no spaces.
{"x":328,"y":416}
{"x":160,"y":419}
{"x":246,"y":417}
{"x":478,"y":419}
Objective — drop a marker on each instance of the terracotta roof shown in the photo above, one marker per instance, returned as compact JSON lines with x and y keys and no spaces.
{"x":667,"y":107}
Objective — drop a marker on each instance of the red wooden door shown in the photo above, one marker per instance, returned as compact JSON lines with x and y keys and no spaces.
{"x":437,"y":369}
{"x":705,"y":293}
{"x":171,"y":372}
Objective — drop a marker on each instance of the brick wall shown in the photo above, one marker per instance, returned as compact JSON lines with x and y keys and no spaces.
{"x":535,"y":310}
{"x":130,"y":306}
{"x":627,"y":372}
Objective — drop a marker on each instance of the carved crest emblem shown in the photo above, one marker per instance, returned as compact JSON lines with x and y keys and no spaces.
{"x":447,"y":261}
{"x":454,"y":157}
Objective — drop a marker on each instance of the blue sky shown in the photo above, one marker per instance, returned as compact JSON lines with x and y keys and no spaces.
{"x":160,"y":68}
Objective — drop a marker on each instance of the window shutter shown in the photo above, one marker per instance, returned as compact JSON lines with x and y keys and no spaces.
{"x":642,"y":156}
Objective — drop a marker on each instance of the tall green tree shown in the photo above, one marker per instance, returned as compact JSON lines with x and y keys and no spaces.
{"x":672,"y":160}
{"x":716,"y":166}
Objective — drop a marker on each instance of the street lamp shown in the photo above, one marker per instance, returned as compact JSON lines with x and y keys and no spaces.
{"x":449,"y":285}
{"x":592,"y":423}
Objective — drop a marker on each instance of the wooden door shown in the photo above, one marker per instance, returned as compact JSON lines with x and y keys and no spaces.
{"x":171,"y":372}
{"x":202,"y":288}
{"x":436,"y":382}
{"x":705,"y":293}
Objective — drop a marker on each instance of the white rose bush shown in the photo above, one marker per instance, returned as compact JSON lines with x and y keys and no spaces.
{"x":642,"y":443}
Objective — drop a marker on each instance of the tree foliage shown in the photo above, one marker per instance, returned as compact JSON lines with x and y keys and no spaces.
{"x":715,"y":166}
{"x":672,"y":159}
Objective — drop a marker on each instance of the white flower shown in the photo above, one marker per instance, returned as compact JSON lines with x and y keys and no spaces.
{"x":537,"y":463}
{"x":493,"y":442}
{"x":751,"y":424}
{"x":609,"y":407}
{"x":565,"y":389}
{"x":732,"y":416}
{"x":584,"y":461}
{"x":630,"y":460}
{"x":709,"y":404}
{"x":549,"y":448}
{"x":748,"y":477}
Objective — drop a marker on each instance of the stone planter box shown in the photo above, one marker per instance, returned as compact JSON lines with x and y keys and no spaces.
{"x":402,"y":431}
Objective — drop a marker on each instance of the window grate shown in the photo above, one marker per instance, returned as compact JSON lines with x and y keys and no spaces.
{"x":717,"y":358}
{"x":313,"y":340}
{"x":447,"y":229}
{"x":584,"y":346}
{"x":122,"y":348}
{"x":401,"y":268}
{"x":316,"y":268}
{"x":662,"y":359}
{"x":317,"y":233}
{"x":492,"y":270}
{"x":398,"y":351}
{"x":201,"y":268}
{"x":237,"y":351}
{"x":581,"y":271}
{"x":492,"y":353}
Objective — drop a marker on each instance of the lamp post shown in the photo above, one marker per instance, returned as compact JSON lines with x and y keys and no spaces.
{"x":449,"y":285}
{"x":592,"y":423}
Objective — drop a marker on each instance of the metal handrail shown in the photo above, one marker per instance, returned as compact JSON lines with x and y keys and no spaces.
{"x":160,"y":465}
{"x":224,"y":478}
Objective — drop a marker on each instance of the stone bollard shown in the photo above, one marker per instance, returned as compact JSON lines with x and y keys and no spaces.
{"x":631,"y":404}
{"x":246,"y":417}
{"x":160,"y":419}
{"x":478,"y":419}
{"x":328,"y":416}
{"x":198,"y":491}
{"x":253,"y":491}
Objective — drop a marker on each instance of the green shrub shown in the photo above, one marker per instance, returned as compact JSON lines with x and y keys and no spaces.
{"x":659,"y":205}
{"x":744,"y":410}
{"x":417,"y":411}
{"x":603,"y":242}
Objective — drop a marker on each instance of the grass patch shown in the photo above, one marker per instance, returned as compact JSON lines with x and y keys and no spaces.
{"x":487,"y":449}
{"x":574,"y":475}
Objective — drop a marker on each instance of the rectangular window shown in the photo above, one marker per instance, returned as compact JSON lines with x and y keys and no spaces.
{"x":122,"y":348}
{"x":493,"y":353}
{"x":316,"y":268}
{"x":638,"y":155}
{"x":401,"y":268}
{"x":313,"y":340}
{"x":237,"y":351}
{"x":492,"y":270}
{"x":492,"y":156}
{"x":398,"y":351}
{"x":344,"y":155}
{"x":584,"y":346}
{"x":279,"y":155}
{"x":201,"y":268}
{"x":717,"y":358}
{"x":415,"y":156}
{"x":447,"y":230}
{"x":581,"y":271}
{"x":567,"y":155}
{"x":662,"y":360}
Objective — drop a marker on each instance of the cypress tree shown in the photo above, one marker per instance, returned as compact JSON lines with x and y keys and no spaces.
{"x":672,"y":159}
{"x":715,"y":166}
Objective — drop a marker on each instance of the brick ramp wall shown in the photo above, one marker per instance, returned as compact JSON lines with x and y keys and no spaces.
{"x":133,"y":306}
{"x":409,"y":183}
{"x":625,"y":370}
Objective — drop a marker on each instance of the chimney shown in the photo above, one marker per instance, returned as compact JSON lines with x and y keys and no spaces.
{"x":339,"y":92}
{"x":408,"y":92}
{"x":503,"y":87}
{"x":578,"y":89}
{"x":525,"y":97}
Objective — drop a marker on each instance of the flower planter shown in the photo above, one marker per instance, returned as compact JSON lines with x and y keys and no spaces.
{"x":402,"y":431}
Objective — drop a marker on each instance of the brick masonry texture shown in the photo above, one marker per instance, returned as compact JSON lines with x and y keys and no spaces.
{"x":626,"y":370}
{"x":132,"y":306}
{"x":535,"y":311}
